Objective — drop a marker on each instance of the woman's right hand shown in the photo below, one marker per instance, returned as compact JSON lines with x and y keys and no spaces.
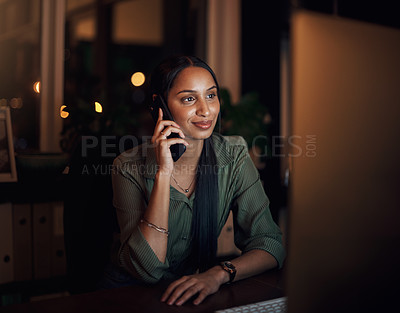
{"x":163,"y":154}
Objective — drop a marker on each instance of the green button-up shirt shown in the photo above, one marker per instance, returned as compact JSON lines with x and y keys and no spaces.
{"x":240,"y":190}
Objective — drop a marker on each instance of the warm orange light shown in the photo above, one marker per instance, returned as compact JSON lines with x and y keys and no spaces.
{"x":36,"y":87}
{"x":63,"y":114}
{"x":97,"y":107}
{"x":137,"y":79}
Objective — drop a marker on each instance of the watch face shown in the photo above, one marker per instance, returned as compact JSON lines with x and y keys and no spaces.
{"x":230,"y":268}
{"x":229,"y":265}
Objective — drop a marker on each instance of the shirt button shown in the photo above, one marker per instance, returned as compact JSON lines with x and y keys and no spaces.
{"x":184,"y":238}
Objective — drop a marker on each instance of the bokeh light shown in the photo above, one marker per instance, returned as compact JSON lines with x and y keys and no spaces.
{"x":138,"y":79}
{"x":98,"y":107}
{"x":63,"y":114}
{"x":36,"y":87}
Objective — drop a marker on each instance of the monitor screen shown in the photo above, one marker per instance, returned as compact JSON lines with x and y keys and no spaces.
{"x":344,"y":184}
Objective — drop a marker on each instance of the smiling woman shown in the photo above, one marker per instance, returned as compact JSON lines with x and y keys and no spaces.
{"x":194,"y":103}
{"x":171,"y":213}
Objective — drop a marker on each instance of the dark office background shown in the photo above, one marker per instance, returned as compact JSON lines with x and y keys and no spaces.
{"x":101,"y":69}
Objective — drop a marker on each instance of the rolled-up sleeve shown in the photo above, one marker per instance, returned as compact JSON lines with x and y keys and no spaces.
{"x":253,"y":223}
{"x":135,"y":255}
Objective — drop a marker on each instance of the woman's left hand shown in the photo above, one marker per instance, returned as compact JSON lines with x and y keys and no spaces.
{"x":203,"y":284}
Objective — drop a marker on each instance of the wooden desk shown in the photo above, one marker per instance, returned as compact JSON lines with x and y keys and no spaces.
{"x":147,"y":299}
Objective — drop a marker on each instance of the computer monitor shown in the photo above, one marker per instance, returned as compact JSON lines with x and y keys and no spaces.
{"x":344,"y":189}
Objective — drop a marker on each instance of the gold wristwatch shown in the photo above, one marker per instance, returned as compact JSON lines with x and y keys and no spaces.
{"x":230,"y":268}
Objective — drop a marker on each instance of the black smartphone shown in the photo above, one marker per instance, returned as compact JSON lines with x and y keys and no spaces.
{"x":177,"y":149}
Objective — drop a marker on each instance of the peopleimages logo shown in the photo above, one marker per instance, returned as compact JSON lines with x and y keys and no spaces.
{"x":280,"y":146}
{"x":112,"y":146}
{"x":291,"y":146}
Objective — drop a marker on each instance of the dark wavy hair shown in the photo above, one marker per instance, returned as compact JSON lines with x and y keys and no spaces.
{"x":204,"y":220}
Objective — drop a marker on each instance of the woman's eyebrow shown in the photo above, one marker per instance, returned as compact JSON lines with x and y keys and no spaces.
{"x":193,"y":91}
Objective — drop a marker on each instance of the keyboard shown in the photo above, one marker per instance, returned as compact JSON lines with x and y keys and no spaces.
{"x":269,"y":306}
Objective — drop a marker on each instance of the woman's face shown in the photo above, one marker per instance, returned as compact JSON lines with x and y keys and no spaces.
{"x":193,"y":102}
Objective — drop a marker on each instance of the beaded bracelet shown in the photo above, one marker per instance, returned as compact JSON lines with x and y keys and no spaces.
{"x":151,"y":225}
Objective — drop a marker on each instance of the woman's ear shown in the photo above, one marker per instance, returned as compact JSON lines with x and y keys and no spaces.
{"x":154,"y":97}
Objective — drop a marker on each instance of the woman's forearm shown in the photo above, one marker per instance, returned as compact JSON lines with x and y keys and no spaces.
{"x":157,"y":214}
{"x":251,"y":263}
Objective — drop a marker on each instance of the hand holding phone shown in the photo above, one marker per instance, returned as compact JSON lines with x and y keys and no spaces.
{"x":177,"y":149}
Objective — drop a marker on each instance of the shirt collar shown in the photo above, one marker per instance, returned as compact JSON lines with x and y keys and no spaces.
{"x":224,"y":157}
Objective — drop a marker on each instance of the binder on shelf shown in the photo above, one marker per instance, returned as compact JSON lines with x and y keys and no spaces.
{"x":42,"y":233}
{"x":6,"y":244}
{"x":58,"y":260}
{"x":22,"y":227}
